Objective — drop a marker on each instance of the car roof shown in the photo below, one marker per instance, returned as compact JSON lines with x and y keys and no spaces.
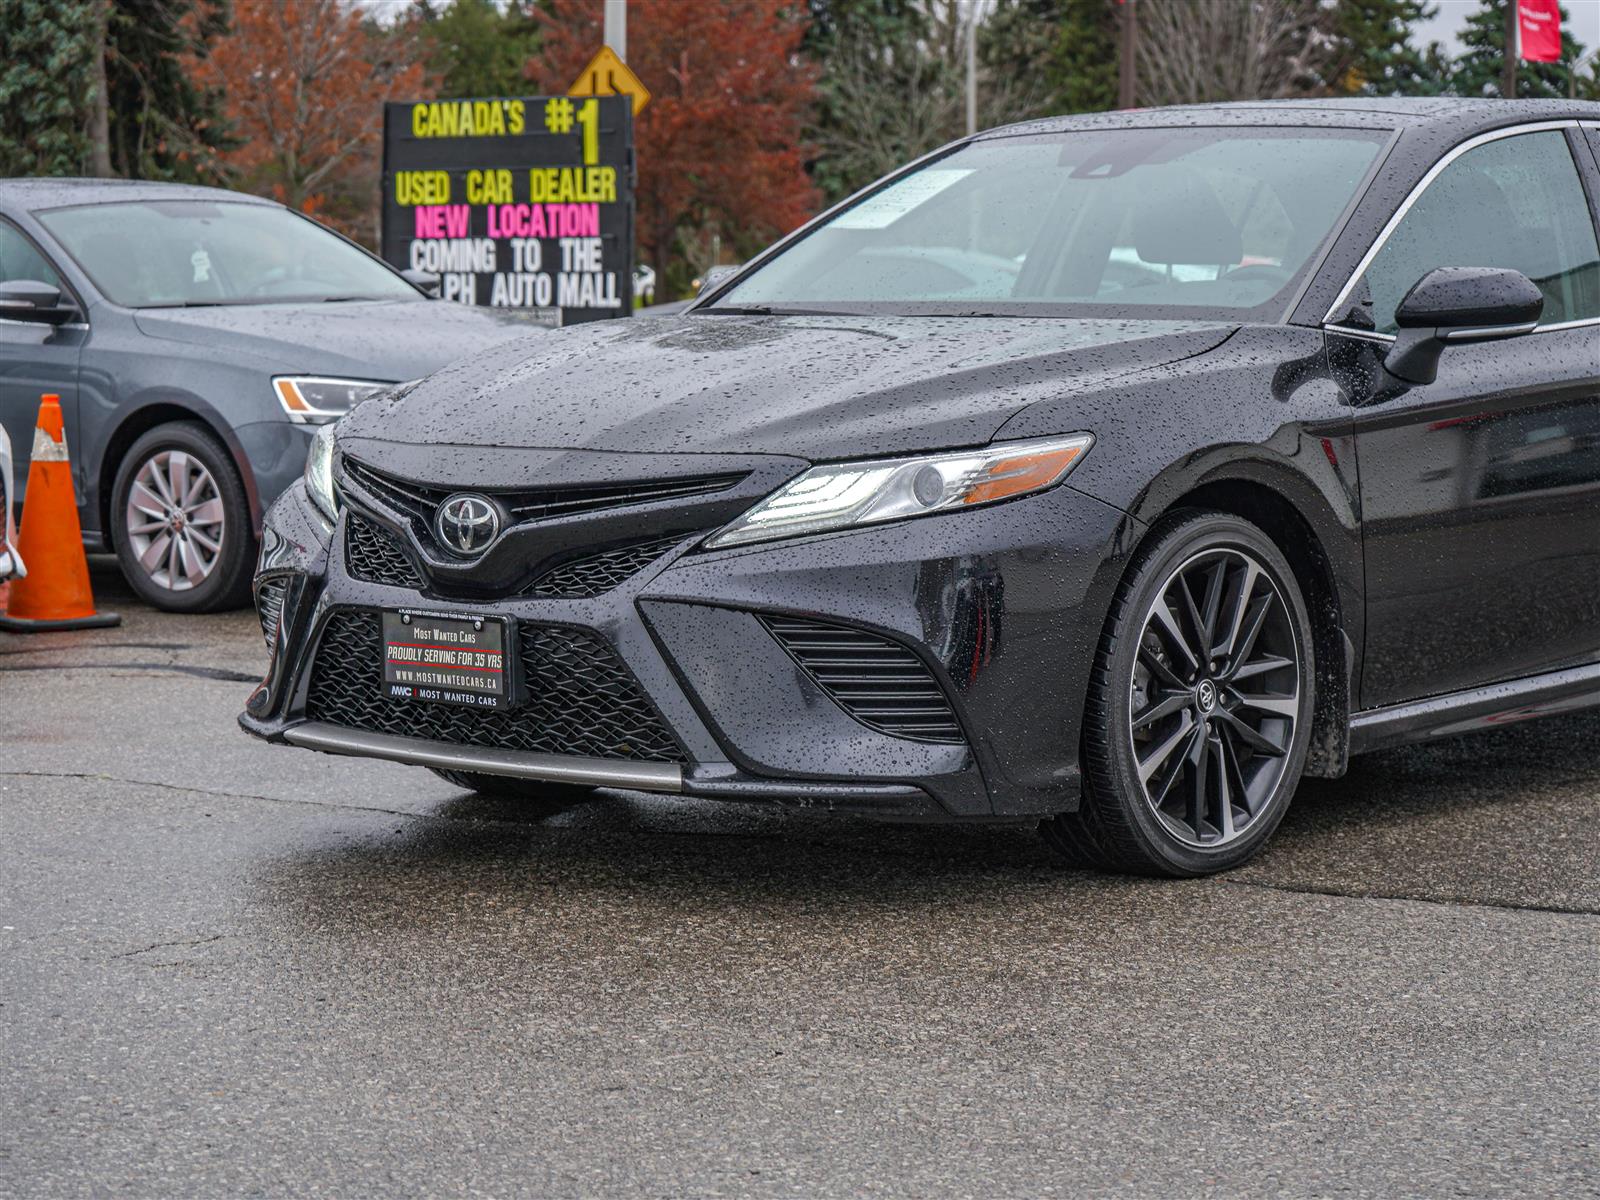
{"x":35,"y":194}
{"x":1451,"y":114}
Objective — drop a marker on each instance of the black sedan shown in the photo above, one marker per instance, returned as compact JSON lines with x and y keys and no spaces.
{"x":1113,"y":471}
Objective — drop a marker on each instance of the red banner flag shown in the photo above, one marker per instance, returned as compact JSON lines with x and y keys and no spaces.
{"x":1539,"y":30}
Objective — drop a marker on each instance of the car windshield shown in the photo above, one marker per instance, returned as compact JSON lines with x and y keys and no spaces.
{"x":166,"y":253}
{"x":1193,"y":223}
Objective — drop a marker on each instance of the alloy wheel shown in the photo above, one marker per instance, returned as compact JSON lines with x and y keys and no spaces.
{"x":1215,"y":697}
{"x":176,"y":520}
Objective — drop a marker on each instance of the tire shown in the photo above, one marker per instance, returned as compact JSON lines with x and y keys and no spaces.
{"x":532,"y":796}
{"x":187,"y":576}
{"x":1161,"y":753}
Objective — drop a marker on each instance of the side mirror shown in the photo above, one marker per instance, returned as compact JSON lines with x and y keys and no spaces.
{"x":716,"y":277}
{"x":30,"y":300}
{"x":1459,"y":304}
{"x":425,"y":281}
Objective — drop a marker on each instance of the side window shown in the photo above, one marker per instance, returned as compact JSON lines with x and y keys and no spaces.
{"x":19,"y":260}
{"x":1516,"y":203}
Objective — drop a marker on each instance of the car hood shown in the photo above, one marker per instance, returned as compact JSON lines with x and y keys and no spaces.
{"x":808,"y":387}
{"x":381,"y":339}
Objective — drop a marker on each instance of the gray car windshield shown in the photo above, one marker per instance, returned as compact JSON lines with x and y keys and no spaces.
{"x":167,"y":253}
{"x":1146,"y":222}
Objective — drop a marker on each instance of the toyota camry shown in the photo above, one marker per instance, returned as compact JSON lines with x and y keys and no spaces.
{"x":1111,"y":472}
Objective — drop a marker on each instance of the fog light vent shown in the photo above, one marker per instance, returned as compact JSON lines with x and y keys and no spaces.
{"x":270,"y":594}
{"x":877,"y":681}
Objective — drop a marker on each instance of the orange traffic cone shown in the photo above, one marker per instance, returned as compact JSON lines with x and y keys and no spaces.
{"x":55,"y":593}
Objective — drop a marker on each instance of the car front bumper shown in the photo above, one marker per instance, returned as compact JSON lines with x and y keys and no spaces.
{"x":1001,"y":607}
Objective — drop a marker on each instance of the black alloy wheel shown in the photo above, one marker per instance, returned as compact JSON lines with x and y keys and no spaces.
{"x":1199,"y":708}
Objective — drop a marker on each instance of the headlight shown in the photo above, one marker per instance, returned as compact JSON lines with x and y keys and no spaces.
{"x":313,"y":400}
{"x":319,"y":473}
{"x":863,"y":493}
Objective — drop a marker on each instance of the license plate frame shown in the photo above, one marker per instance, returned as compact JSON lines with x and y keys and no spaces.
{"x":461,"y":659}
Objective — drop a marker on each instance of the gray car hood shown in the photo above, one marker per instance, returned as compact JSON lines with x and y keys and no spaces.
{"x":386,"y":340}
{"x":811,"y":387}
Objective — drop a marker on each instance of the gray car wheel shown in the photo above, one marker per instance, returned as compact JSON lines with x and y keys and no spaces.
{"x":181,"y":522}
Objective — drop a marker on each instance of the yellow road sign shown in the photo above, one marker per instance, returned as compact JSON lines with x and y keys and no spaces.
{"x":608,"y":75}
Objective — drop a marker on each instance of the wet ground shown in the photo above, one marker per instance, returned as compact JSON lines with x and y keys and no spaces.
{"x":231,"y":968}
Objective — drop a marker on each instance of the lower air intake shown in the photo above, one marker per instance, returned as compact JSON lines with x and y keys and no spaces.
{"x":582,"y":700}
{"x":879,"y":682}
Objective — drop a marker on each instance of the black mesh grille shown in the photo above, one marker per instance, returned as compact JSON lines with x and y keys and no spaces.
{"x":595,"y":574}
{"x":582,"y":700}
{"x":372,"y":554}
{"x":270,"y":594}
{"x":420,"y":500}
{"x":878,"y":682}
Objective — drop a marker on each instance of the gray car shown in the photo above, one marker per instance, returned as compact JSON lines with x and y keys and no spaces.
{"x":197,"y":338}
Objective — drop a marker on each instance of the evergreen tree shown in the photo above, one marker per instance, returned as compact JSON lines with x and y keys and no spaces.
{"x":1481,"y":66}
{"x":1084,"y":60}
{"x":45,"y":47}
{"x":477,"y":47}
{"x":162,"y":125}
{"x":104,"y":87}
{"x":881,"y":98}
{"x":1018,"y":46}
{"x":1375,"y":54}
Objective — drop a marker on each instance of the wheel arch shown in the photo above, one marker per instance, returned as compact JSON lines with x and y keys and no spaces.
{"x":139,"y":421}
{"x":1327,"y":568}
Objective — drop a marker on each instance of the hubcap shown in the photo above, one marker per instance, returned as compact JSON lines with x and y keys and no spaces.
{"x":1214,"y":698}
{"x":175,"y":520}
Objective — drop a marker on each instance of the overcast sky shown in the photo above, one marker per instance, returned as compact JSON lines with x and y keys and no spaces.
{"x":1583,"y":22}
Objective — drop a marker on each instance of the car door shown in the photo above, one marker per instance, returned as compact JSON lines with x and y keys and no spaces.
{"x":34,"y":358}
{"x":1480,"y":492}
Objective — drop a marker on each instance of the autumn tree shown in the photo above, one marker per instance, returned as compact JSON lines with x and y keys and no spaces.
{"x":305,"y":82}
{"x":720,"y":147}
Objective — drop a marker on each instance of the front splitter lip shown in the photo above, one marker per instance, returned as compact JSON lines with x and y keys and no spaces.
{"x":713,"y":781}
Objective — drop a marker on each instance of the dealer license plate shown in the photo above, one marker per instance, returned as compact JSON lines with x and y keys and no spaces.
{"x":445,"y":660}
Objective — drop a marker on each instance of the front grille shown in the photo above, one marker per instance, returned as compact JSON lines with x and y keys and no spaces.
{"x":418,"y":501}
{"x":595,"y":574}
{"x":878,"y":682}
{"x":372,"y":554}
{"x":582,"y":700}
{"x":270,"y":594}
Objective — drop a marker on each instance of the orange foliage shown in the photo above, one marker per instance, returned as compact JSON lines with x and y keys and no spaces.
{"x":305,"y":82}
{"x":721,"y":144}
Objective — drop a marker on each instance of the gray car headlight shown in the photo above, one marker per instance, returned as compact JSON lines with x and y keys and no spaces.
{"x":845,"y":495}
{"x":316,"y":399}
{"x":319,"y":473}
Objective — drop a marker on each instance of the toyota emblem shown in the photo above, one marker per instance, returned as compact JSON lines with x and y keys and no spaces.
{"x":466,"y":524}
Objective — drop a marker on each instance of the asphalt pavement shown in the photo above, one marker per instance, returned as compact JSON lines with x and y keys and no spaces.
{"x":228,"y":968}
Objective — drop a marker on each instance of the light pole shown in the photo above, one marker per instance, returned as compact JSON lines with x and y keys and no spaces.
{"x":616,"y":27}
{"x":972,"y":73}
{"x":1508,"y":81}
{"x":1128,"y":48}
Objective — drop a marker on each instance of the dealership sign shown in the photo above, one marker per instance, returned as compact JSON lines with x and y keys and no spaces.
{"x":522,"y":202}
